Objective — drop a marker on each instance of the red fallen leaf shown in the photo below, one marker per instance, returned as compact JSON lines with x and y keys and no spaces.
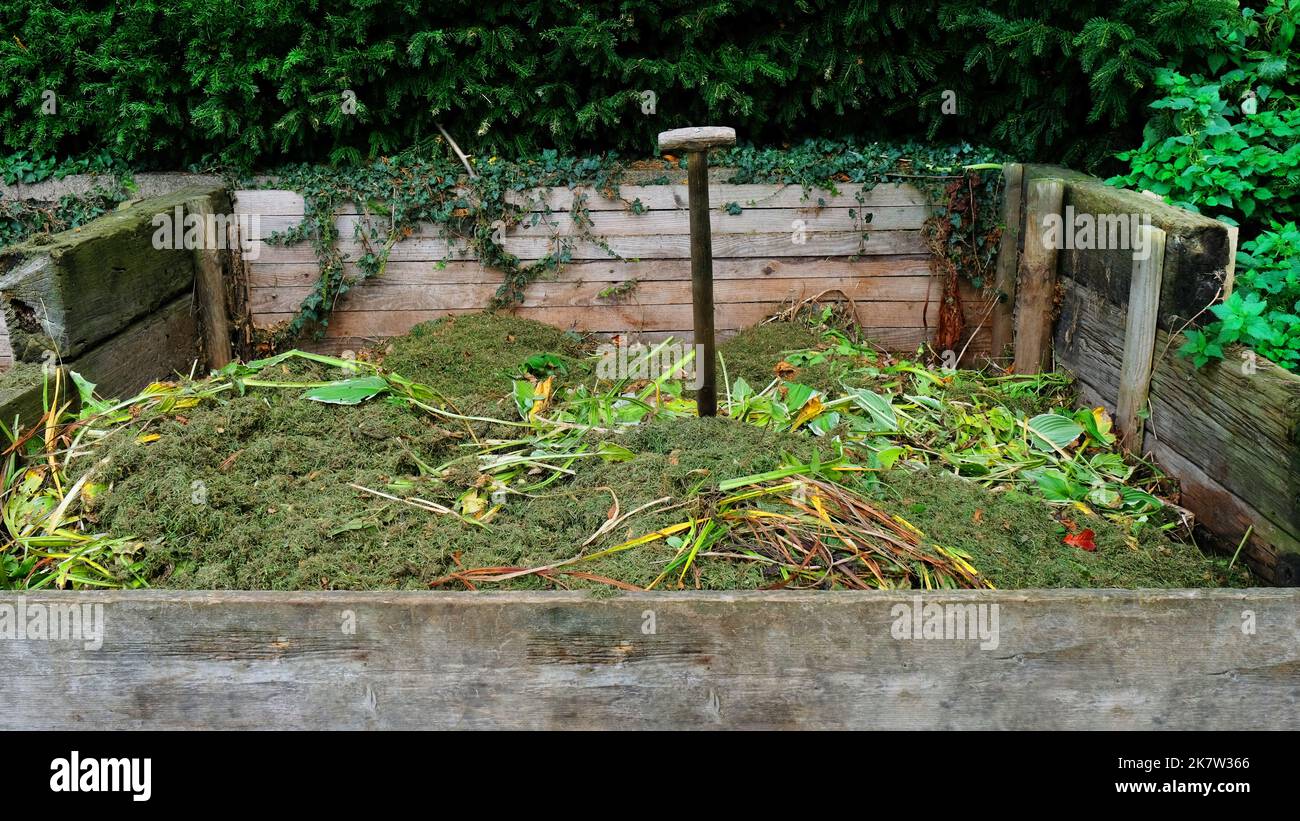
{"x":1083,"y":540}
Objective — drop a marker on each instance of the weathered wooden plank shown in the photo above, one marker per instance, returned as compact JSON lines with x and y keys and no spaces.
{"x":1004,"y":282}
{"x":1036,"y":285}
{"x":22,"y":395}
{"x":1139,"y":339}
{"x":1196,"y":256}
{"x":1271,"y":553}
{"x":156,"y":347}
{"x":73,"y":290}
{"x":1068,"y":659}
{"x":1238,"y":421}
{"x":264,"y":274}
{"x":618,"y":318}
{"x":668,"y":246}
{"x":898,"y":340}
{"x":209,"y":279}
{"x":616,"y":223}
{"x":377,"y":295}
{"x":653,"y":197}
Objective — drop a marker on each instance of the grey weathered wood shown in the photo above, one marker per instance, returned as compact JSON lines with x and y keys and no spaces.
{"x":696,"y":138}
{"x":272,"y":202}
{"x":1097,"y":659}
{"x":154,"y":348}
{"x":1230,"y":268}
{"x":209,"y":279}
{"x":1036,"y":286}
{"x":1237,"y":421}
{"x":1140,"y":338}
{"x":71,"y":291}
{"x":1008,"y":263}
{"x":1196,"y":255}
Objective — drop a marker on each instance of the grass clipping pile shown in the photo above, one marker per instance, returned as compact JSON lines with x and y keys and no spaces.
{"x":483,"y":453}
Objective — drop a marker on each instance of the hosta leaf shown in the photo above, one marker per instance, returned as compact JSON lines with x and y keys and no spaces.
{"x":1049,"y":431}
{"x":348,"y":391}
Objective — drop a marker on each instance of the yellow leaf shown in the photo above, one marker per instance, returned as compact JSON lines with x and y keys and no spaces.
{"x":1103,"y":420}
{"x":811,"y":408}
{"x":146,"y":438}
{"x":472,"y":503}
{"x":541,"y":396}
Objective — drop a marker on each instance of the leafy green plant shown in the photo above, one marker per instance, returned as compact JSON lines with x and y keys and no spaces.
{"x":473,"y":213}
{"x":1227,"y":143}
{"x":1263,"y":312}
{"x":183,"y":82}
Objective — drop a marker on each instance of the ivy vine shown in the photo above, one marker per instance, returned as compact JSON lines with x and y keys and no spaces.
{"x":475,"y":211}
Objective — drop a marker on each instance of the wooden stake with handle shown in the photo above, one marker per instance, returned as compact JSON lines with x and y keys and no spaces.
{"x":696,"y":142}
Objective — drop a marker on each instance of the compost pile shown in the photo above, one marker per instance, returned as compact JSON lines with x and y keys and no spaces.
{"x":482,"y":452}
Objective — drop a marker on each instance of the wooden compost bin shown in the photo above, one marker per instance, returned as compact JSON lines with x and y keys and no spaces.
{"x":784,"y":245}
{"x":1229,"y":432}
{"x":1069,"y":659}
{"x":1066,"y":659}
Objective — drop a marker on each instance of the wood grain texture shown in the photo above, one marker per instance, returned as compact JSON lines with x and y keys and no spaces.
{"x":651,"y":223}
{"x":378,"y":295}
{"x":1069,"y":659}
{"x":1002,"y":322}
{"x":653,"y":197}
{"x":1036,"y":281}
{"x":1139,"y":339}
{"x":84,"y":285}
{"x":156,"y":347}
{"x":696,"y":138}
{"x":266,"y":274}
{"x":1196,"y":258}
{"x":662,"y":246}
{"x":1238,"y":421}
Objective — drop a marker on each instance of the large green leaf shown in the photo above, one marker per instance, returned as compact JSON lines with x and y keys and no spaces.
{"x":348,"y":391}
{"x":1050,"y":431}
{"x":878,"y":407}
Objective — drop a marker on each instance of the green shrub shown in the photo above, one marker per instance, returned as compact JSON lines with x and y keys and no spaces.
{"x":259,"y":81}
{"x":1228,"y":145}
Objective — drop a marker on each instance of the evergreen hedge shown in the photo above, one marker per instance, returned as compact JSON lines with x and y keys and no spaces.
{"x":176,"y":82}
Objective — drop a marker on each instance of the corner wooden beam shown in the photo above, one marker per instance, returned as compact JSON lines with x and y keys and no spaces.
{"x":1004,"y":282}
{"x":1140,"y":337}
{"x":1036,"y":288}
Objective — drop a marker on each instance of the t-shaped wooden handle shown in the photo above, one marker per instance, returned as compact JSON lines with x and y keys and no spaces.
{"x":696,"y":142}
{"x":697,"y":138}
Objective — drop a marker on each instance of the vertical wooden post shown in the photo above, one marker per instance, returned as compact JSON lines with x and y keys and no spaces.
{"x":210,"y":286}
{"x":702,"y":281}
{"x":1036,"y":288}
{"x":1230,"y":268}
{"x":696,"y":142}
{"x":1004,"y":283}
{"x":1140,"y":338}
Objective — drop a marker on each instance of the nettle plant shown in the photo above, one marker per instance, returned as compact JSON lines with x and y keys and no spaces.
{"x":1263,"y":312}
{"x":1227,"y":144}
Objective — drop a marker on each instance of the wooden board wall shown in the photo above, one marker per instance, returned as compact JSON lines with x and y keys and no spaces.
{"x":1230,"y":434}
{"x":759,"y":265}
{"x":1064,"y":659}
